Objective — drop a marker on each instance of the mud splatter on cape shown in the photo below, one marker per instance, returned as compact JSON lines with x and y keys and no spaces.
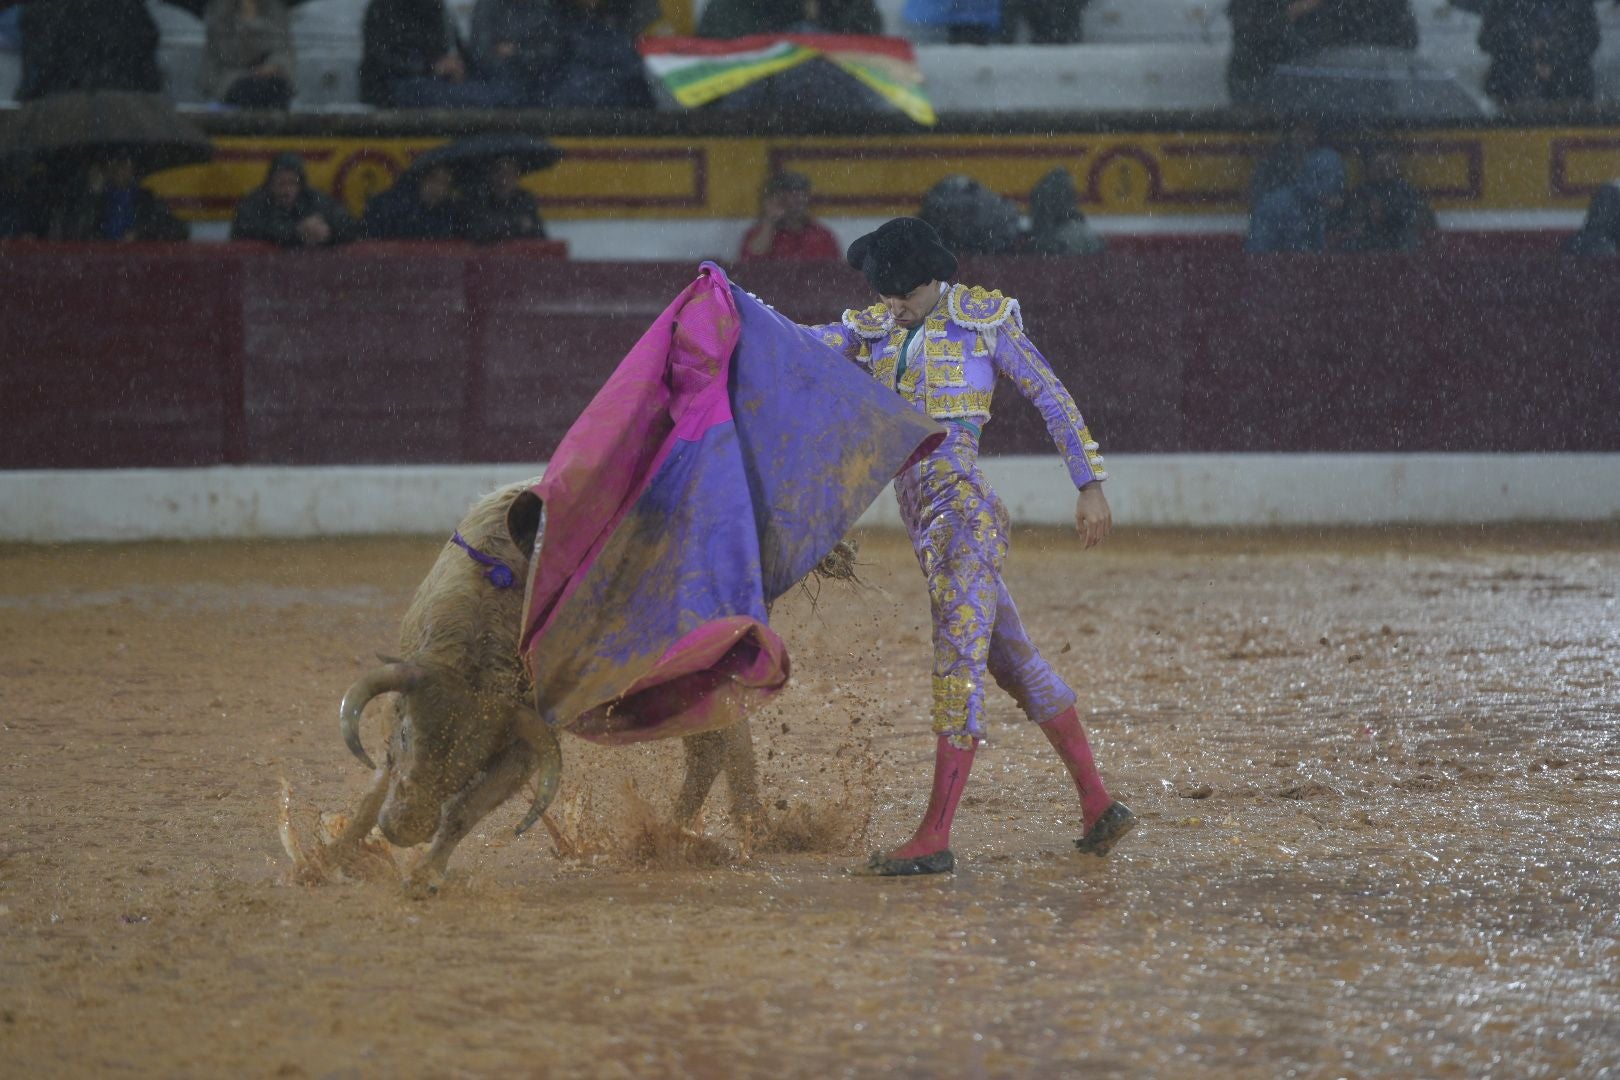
{"x":721,"y":461}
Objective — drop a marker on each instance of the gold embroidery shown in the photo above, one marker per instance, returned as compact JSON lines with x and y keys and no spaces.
{"x":873,"y":323}
{"x":951,"y":696}
{"x":977,"y":308}
{"x":957,"y":405}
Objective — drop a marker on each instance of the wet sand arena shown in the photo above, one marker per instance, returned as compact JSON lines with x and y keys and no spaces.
{"x":1378,"y":775}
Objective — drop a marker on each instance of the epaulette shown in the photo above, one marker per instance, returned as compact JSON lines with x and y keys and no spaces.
{"x":977,"y":308}
{"x":871,"y":323}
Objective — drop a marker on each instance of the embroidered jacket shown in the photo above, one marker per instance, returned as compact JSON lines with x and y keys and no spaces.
{"x":971,"y":337}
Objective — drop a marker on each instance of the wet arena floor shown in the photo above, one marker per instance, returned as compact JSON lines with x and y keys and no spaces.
{"x":1378,"y":774}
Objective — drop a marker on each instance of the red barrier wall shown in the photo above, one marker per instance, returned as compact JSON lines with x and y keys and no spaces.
{"x":215,"y":354}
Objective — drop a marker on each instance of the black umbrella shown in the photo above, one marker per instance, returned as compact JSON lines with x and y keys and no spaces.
{"x":469,"y":156}
{"x":88,"y":123}
{"x":1364,"y":83}
{"x":197,"y":7}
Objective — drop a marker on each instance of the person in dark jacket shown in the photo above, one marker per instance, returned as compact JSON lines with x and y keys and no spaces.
{"x":1057,"y":225}
{"x":1294,"y":217}
{"x":1384,"y":212}
{"x":1600,"y":233}
{"x":285,"y":210}
{"x":519,"y":44}
{"x":1540,"y":50}
{"x":599,"y":66}
{"x":500,"y":208}
{"x":740,"y":18}
{"x":248,"y":56}
{"x":1266,"y":33}
{"x":412,"y":58}
{"x":422,"y":205}
{"x":87,"y":45}
{"x":109,"y":203}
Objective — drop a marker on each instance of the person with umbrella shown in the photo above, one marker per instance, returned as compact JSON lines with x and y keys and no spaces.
{"x":286,"y":211}
{"x":109,"y":203}
{"x":488,"y":170}
{"x":423,"y":204}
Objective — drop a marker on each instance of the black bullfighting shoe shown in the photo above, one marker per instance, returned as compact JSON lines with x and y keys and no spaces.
{"x":1108,"y":830}
{"x":881,"y":865}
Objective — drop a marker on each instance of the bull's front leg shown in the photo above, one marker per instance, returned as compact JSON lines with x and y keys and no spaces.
{"x":344,"y":849}
{"x":500,"y":780}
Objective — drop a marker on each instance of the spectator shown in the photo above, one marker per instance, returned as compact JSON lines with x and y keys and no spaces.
{"x":248,"y":54}
{"x":970,"y":218}
{"x":1281,"y":163}
{"x":1385,"y":212}
{"x":107,"y":202}
{"x":500,"y":208}
{"x":411,"y":58}
{"x":740,"y":18}
{"x":600,"y":67}
{"x":1266,"y":33}
{"x":422,"y":205}
{"x":87,"y":45}
{"x":785,"y":230}
{"x":1294,"y":217}
{"x":285,"y":210}
{"x":1057,"y":224}
{"x":1540,"y":50}
{"x":1600,"y":233}
{"x":961,"y":22}
{"x":1050,"y":22}
{"x":517,"y":44}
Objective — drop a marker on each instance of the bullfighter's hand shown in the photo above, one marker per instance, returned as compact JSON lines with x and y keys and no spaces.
{"x":1092,"y":517}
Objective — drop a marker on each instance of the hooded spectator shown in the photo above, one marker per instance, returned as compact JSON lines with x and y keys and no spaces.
{"x":1294,"y":217}
{"x":248,"y":53}
{"x":740,"y":18}
{"x":285,"y":210}
{"x":422,"y":205}
{"x":87,"y":45}
{"x":1057,"y":224}
{"x":1600,"y":233}
{"x":970,"y":218}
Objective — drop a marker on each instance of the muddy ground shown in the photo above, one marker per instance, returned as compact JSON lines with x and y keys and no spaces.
{"x":1378,"y":772}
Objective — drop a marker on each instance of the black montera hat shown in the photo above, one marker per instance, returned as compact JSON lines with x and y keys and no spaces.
{"x":900,"y":255}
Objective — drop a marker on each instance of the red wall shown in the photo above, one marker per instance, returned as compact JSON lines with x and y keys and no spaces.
{"x":177,"y":356}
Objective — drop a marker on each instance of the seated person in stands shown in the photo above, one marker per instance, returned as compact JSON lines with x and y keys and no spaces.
{"x":1384,"y":212}
{"x":1600,"y":233}
{"x":1057,"y":225}
{"x":285,"y":210}
{"x":87,"y":45}
{"x":247,"y":54}
{"x":970,"y":218}
{"x":957,"y":22}
{"x":1540,"y":50}
{"x":740,"y":18}
{"x":785,"y":230}
{"x":500,"y":209}
{"x":1281,"y":163}
{"x":563,"y":54}
{"x":412,"y":58}
{"x":1266,"y":33}
{"x":107,"y":202}
{"x":1295,"y":216}
{"x":422,"y":205}
{"x":1050,"y":22}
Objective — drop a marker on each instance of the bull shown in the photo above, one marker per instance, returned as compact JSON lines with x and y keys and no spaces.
{"x":465,"y":734}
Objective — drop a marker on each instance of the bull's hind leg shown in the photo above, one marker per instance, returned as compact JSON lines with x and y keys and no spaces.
{"x":500,"y":780}
{"x":730,"y":750}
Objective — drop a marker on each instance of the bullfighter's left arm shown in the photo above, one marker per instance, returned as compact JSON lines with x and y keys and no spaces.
{"x":1016,"y":357}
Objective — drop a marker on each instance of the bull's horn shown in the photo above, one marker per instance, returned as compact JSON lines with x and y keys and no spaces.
{"x":382,"y":680}
{"x":538,"y":734}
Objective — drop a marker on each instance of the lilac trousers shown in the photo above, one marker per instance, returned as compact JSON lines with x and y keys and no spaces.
{"x":958,"y":528}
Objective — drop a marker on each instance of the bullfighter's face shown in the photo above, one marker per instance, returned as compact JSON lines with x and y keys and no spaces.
{"x":912,"y":308}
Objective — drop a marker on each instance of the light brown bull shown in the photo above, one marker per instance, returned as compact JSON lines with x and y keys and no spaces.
{"x":465,"y":734}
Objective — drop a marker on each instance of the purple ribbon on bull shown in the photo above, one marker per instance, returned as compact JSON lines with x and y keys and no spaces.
{"x":499,"y":574}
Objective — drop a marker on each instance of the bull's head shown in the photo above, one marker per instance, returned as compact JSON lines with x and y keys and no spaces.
{"x":443,"y":737}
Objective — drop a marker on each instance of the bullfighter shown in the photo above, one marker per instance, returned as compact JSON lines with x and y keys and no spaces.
{"x":942,"y":347}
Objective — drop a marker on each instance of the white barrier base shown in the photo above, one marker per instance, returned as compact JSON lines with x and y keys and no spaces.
{"x":52,"y":506}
